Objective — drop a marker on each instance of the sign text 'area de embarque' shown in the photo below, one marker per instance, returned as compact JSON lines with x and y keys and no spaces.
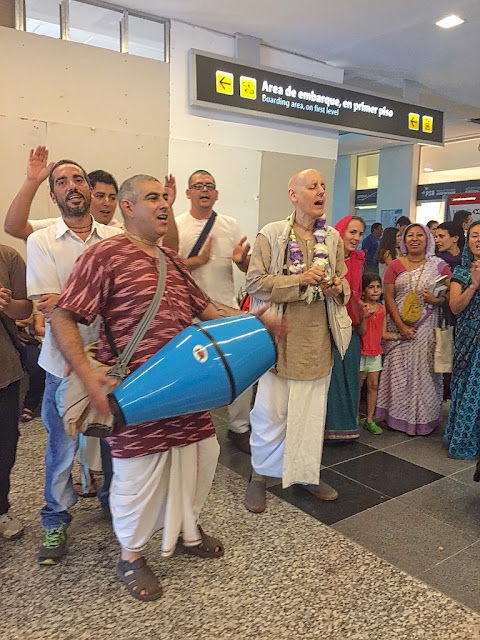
{"x":228,"y":85}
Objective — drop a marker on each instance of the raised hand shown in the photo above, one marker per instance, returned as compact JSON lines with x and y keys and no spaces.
{"x":475,"y":274}
{"x":171,"y":189}
{"x":37,"y":168}
{"x":206,"y":251}
{"x":240,"y":250}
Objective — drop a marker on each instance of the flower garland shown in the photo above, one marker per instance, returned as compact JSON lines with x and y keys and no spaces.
{"x":310,"y":293}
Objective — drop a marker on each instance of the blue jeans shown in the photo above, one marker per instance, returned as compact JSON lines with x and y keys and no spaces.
{"x":60,"y":494}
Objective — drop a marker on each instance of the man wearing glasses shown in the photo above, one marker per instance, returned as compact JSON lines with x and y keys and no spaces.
{"x":210,"y":243}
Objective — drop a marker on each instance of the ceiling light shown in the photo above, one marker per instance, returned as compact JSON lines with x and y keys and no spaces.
{"x":428,"y":169}
{"x":449,"y":21}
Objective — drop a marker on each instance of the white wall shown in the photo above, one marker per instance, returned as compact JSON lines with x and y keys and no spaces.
{"x":344,"y":187}
{"x":397,"y":179}
{"x":231,"y":145}
{"x":100,"y":108}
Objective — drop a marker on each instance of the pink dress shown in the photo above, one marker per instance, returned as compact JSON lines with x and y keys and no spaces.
{"x":410,"y":394}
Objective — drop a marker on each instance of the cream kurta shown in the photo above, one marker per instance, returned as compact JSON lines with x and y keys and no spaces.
{"x":306,"y":353}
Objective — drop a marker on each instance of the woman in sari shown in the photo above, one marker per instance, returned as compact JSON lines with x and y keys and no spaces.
{"x":463,"y":426}
{"x":341,"y":422}
{"x":410,"y":393}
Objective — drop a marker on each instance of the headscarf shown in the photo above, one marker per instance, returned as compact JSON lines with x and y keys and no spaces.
{"x":461,"y":274}
{"x":354,"y":264}
{"x":430,"y":248}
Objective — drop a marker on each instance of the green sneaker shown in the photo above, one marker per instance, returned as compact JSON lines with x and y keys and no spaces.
{"x":373,"y":428}
{"x":54,"y":545}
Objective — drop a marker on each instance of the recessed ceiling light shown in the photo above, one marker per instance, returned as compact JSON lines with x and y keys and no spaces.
{"x":449,"y":21}
{"x":428,"y":169}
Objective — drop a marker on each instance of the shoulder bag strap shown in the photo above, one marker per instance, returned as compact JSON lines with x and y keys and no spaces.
{"x":121,"y":365}
{"x":202,"y":237}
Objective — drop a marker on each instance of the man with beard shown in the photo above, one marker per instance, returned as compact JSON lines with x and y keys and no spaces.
{"x":51,"y":255}
{"x":103,"y":204}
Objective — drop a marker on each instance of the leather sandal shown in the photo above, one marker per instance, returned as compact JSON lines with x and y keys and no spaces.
{"x":209,"y":547}
{"x":137,"y":577}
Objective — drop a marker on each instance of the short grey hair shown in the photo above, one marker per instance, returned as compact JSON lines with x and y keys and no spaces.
{"x":129,"y":188}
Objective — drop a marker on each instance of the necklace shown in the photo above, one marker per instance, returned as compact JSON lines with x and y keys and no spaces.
{"x":310,"y":293}
{"x":309,"y":229}
{"x":150,"y":243}
{"x":86,"y":227}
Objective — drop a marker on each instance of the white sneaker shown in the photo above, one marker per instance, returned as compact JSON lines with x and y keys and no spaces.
{"x":10,"y":527}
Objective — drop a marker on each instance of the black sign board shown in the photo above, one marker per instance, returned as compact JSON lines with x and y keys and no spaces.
{"x":225,"y":84}
{"x":431,"y":192}
{"x":365,"y":196}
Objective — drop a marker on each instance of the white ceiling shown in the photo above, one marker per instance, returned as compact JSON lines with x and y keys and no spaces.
{"x":386,"y":46}
{"x":382,"y":40}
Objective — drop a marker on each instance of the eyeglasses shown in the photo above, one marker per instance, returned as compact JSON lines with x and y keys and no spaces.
{"x":210,"y":186}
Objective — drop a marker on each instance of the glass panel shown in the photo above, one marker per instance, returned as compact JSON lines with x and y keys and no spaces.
{"x":43,"y":17}
{"x":146,"y":38}
{"x":367,"y":171}
{"x":95,"y":26}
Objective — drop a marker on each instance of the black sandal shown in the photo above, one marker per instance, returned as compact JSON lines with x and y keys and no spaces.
{"x":137,"y":577}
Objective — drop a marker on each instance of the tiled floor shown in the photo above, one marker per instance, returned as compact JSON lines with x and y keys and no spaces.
{"x":370,"y":566}
{"x":400,"y":497}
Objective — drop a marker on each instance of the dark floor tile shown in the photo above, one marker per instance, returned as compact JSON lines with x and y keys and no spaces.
{"x":335,"y":452}
{"x":450,"y":501}
{"x":457,"y":577}
{"x":236,"y":461}
{"x":387,"y":474}
{"x":352,"y":498}
{"x":404,"y":536}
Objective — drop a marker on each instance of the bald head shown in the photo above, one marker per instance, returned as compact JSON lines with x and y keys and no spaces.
{"x":306,"y":190}
{"x":302,"y":177}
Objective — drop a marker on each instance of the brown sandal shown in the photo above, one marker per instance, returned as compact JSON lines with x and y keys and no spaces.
{"x":137,"y":577}
{"x":209,"y":547}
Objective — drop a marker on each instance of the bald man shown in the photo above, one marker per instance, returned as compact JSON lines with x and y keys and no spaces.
{"x":294,"y":265}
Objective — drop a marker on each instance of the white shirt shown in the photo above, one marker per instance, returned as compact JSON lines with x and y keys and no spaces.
{"x":216,"y":276}
{"x":47,"y":222}
{"x":51,"y":254}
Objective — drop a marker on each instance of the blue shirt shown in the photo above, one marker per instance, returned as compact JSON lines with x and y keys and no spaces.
{"x":370,"y":246}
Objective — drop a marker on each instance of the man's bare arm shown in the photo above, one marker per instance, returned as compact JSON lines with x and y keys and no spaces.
{"x":69,"y":340}
{"x":202,"y":258}
{"x":16,"y":221}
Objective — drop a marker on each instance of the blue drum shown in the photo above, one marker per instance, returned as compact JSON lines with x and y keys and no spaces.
{"x":205,"y":366}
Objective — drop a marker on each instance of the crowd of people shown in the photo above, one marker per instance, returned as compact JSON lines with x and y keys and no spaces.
{"x":325,"y":300}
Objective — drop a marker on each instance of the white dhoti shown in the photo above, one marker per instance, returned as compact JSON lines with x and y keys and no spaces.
{"x":162,"y":492}
{"x":288,"y":425}
{"x":239,"y":412}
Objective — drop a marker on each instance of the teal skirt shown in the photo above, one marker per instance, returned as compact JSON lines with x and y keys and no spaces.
{"x":343,"y":394}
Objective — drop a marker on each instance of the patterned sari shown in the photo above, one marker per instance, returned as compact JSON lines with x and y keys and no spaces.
{"x":463,"y":426}
{"x":410,"y":394}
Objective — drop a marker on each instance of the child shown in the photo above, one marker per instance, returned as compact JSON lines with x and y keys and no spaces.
{"x":371,"y":335}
